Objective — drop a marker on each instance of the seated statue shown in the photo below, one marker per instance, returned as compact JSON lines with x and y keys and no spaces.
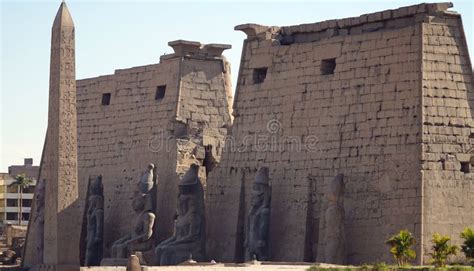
{"x":140,"y":238}
{"x":189,"y":238}
{"x":256,"y":241}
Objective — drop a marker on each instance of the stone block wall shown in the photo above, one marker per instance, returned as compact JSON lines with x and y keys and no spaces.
{"x":315,"y":100}
{"x":140,"y":125}
{"x":448,"y":130}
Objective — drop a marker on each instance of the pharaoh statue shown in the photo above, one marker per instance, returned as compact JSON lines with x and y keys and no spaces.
{"x":189,"y":238}
{"x":258,"y":219}
{"x":334,"y":235}
{"x":140,"y":239}
{"x":95,"y":222}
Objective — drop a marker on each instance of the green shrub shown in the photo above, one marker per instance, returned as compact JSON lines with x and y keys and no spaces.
{"x":441,"y":250}
{"x":400,"y":247}
{"x":468,"y":245}
{"x":380,"y":267}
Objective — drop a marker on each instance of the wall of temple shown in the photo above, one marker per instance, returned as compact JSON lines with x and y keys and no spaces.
{"x":163,"y":114}
{"x":345,"y":96}
{"x":448,"y":133}
{"x":386,"y":99}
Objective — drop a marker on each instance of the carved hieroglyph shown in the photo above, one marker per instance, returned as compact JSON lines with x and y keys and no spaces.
{"x":62,"y":222}
{"x":39,"y":218}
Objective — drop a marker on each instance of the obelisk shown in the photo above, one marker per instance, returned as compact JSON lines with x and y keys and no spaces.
{"x":62,"y":218}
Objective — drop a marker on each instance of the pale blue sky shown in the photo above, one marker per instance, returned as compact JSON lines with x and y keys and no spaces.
{"x":121,"y":34}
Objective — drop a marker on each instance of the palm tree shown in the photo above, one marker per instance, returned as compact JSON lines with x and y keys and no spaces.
{"x":441,"y":249}
{"x":400,"y":247}
{"x":22,"y":182}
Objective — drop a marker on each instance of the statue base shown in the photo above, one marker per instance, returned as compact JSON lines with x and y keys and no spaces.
{"x":114,"y":262}
{"x":55,"y":267}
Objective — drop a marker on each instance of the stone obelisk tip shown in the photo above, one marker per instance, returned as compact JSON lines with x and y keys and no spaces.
{"x":63,"y":17}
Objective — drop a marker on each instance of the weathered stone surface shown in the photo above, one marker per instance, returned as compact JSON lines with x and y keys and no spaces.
{"x":114,"y":262}
{"x":384,"y":99}
{"x":33,"y":251}
{"x":189,"y":239}
{"x":333,"y":242}
{"x":62,"y":218}
{"x":133,"y":263}
{"x":447,"y":131}
{"x":136,"y":129}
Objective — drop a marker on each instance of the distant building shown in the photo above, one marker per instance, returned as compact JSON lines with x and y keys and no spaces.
{"x":10,"y":196}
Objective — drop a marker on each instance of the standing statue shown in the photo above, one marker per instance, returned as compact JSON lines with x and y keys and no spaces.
{"x":258,"y":220}
{"x":95,"y":222}
{"x":189,"y":238}
{"x":334,"y":235}
{"x":140,"y":237}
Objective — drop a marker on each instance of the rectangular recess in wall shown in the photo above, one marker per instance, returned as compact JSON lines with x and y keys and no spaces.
{"x":328,"y":66}
{"x":106,"y":98}
{"x":160,"y":92}
{"x":259,"y":75}
{"x":465,"y":167}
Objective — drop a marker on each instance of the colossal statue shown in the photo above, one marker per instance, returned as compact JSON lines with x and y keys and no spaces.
{"x":95,"y":222}
{"x":258,"y":219}
{"x":140,"y":237}
{"x":189,"y":238}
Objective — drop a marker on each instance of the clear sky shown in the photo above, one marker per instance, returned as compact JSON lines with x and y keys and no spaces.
{"x":121,"y":34}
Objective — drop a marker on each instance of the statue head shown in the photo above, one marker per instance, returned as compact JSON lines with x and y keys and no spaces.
{"x":190,"y":191}
{"x":95,"y":185}
{"x":189,"y":181}
{"x":151,"y":166}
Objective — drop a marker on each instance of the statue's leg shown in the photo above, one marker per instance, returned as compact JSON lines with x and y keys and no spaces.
{"x":158,"y":255}
{"x":120,"y":251}
{"x":113,"y":251}
{"x":166,"y":257}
